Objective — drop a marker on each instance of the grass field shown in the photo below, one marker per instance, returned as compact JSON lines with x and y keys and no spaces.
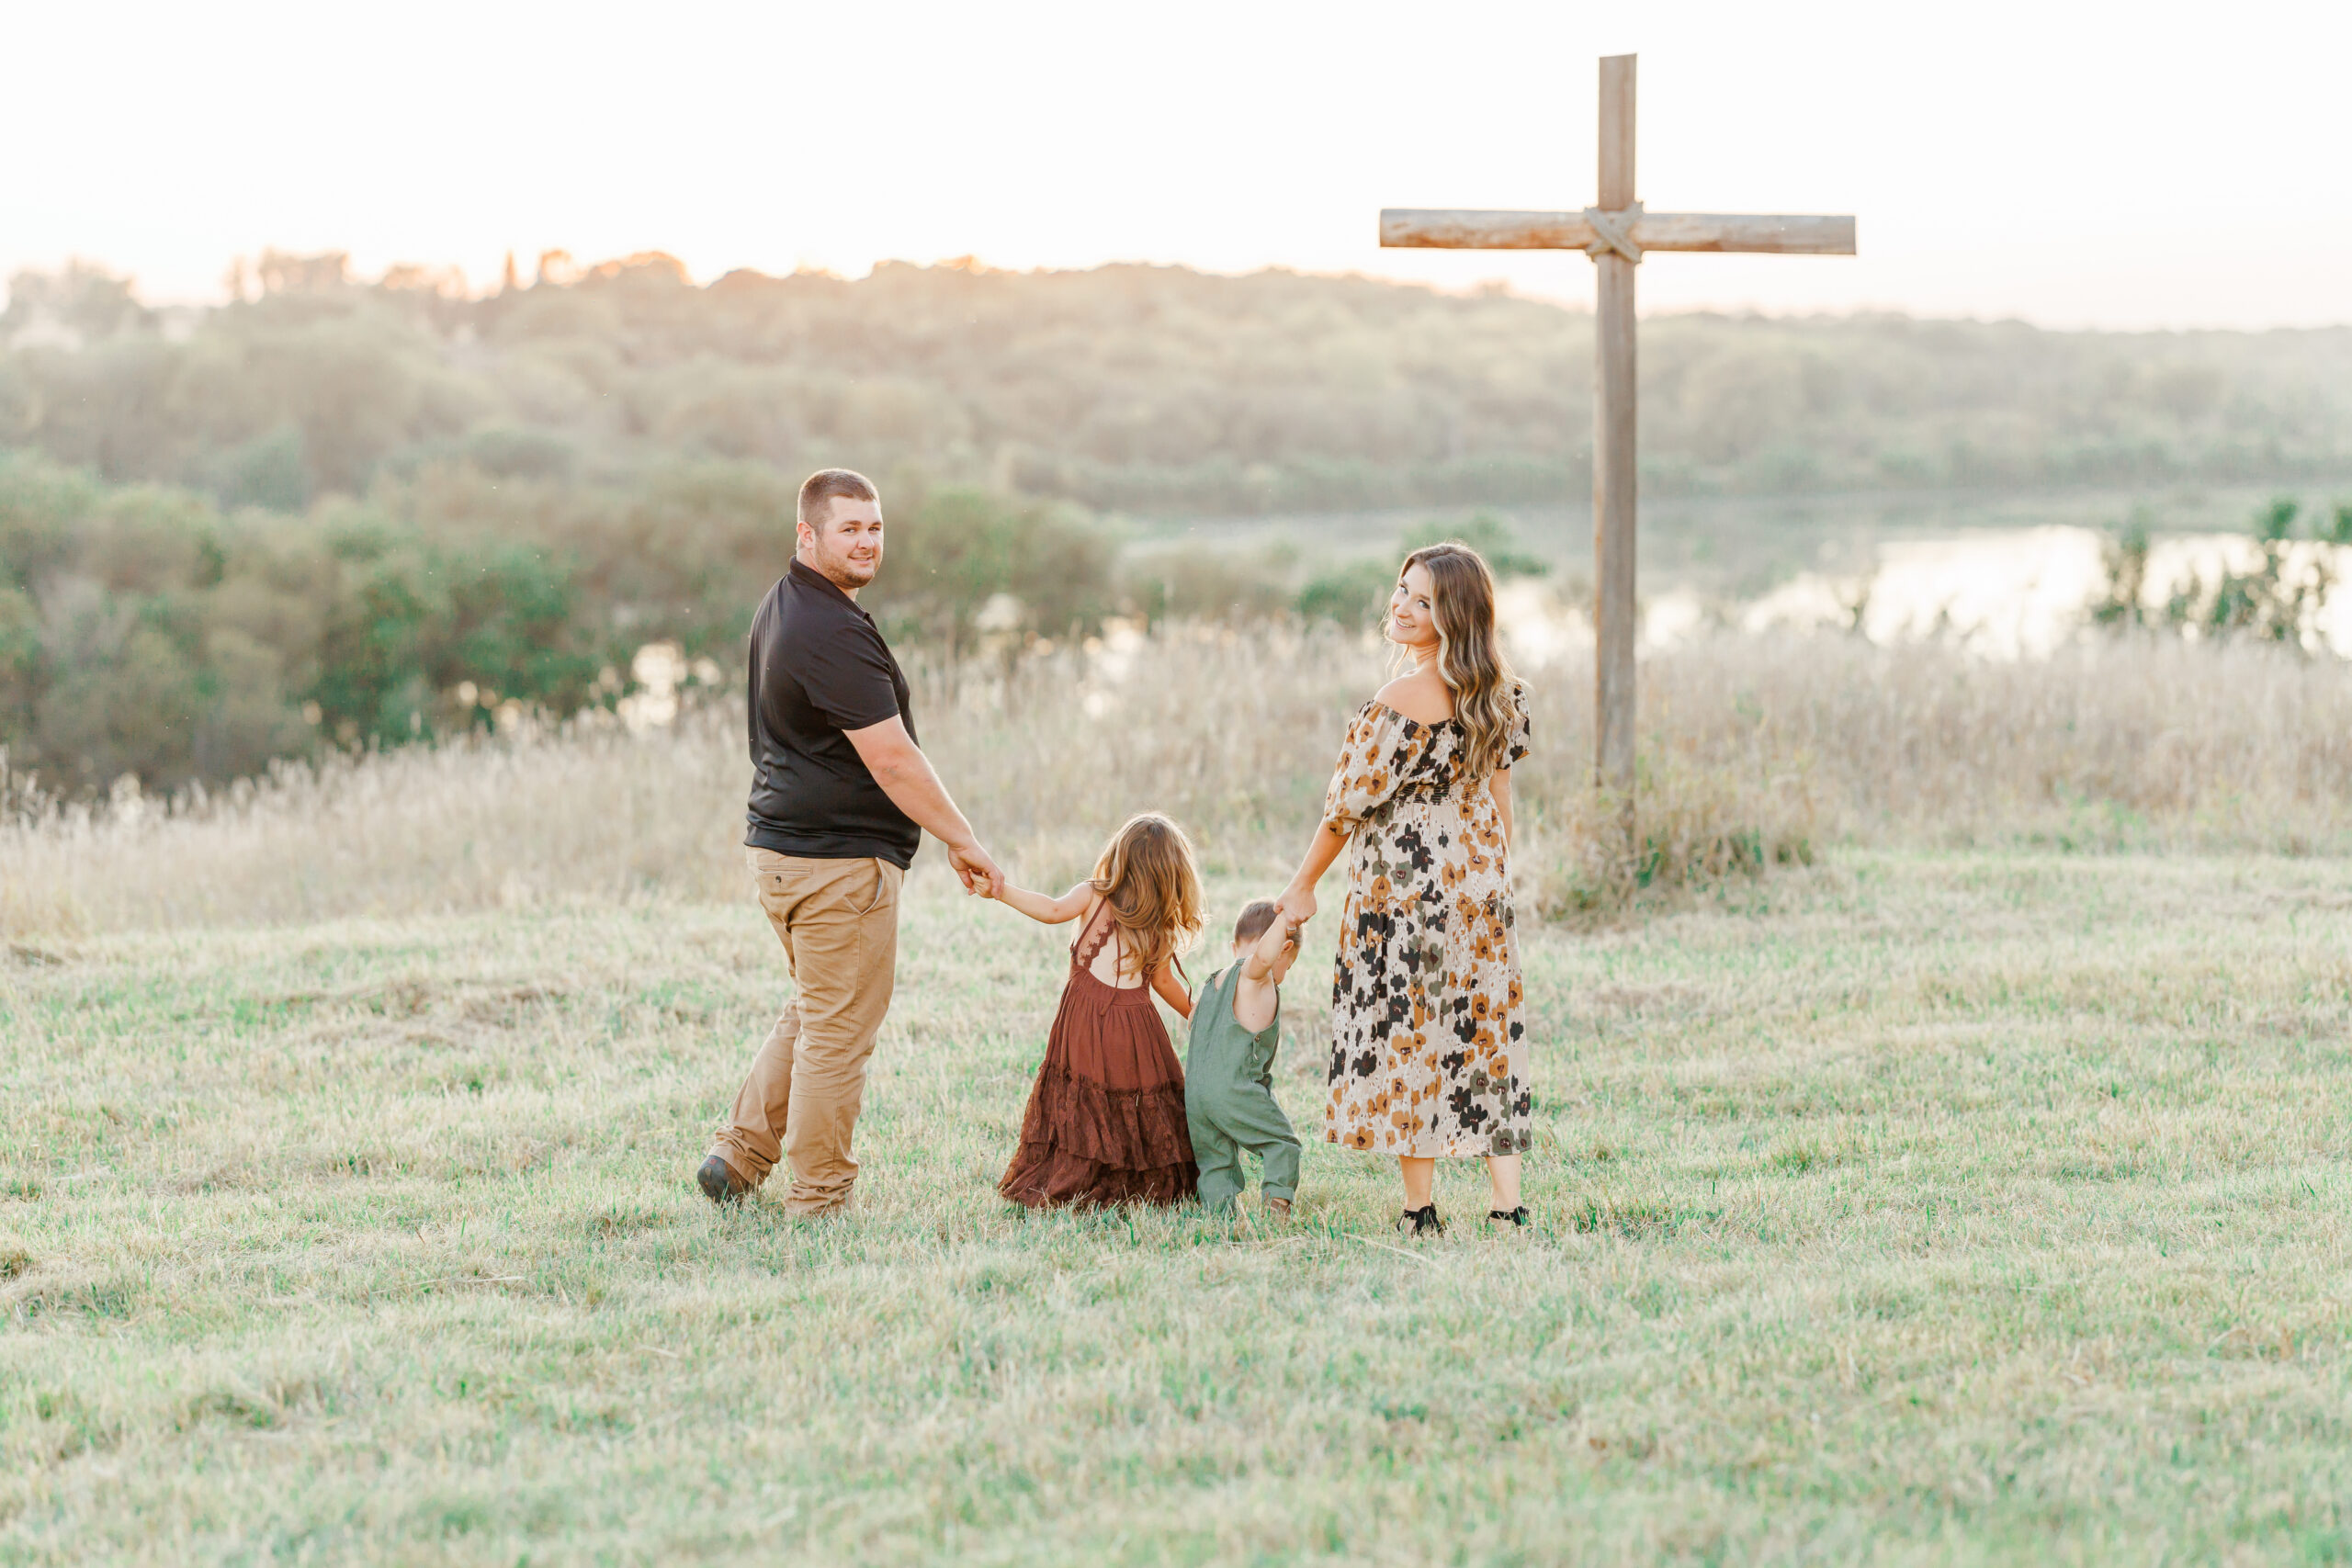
{"x":1914,"y":1206}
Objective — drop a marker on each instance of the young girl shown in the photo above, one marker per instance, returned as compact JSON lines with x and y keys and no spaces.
{"x":1105,"y":1122}
{"x":1428,"y":1059}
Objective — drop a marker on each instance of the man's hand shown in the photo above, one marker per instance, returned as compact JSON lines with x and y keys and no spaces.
{"x":976,"y":870}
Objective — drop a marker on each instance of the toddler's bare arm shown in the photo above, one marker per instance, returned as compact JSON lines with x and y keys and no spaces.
{"x":1269,"y":958}
{"x":1259,"y":994}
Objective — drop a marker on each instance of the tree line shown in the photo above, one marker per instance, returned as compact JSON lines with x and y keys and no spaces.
{"x":146,"y":630}
{"x":1137,"y":389}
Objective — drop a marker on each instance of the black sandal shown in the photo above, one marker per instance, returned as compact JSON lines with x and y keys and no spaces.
{"x":1420,"y":1221}
{"x":1515,"y":1216}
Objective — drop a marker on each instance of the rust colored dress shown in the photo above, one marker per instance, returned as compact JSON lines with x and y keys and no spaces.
{"x":1105,"y":1122}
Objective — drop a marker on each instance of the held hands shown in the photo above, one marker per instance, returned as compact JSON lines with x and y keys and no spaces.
{"x":1298,"y":905}
{"x":976,"y":870}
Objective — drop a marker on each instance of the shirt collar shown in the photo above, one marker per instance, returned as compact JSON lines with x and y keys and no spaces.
{"x":808,"y":576}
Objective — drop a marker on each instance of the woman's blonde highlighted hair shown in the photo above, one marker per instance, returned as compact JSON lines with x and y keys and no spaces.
{"x":1146,"y":875}
{"x":1469,"y":657}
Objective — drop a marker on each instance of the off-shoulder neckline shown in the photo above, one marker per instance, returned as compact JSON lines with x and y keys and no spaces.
{"x":1408,"y":719}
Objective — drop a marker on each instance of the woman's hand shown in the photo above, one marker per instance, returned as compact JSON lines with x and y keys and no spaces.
{"x":1298,"y":902}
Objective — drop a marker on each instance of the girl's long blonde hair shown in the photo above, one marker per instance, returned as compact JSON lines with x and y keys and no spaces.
{"x":1146,"y":875}
{"x":1469,"y":658}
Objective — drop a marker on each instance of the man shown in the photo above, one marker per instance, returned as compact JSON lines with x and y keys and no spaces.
{"x":840,"y":798}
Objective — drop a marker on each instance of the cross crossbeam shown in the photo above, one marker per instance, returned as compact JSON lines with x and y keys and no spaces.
{"x":1616,"y":233}
{"x":1445,"y":229}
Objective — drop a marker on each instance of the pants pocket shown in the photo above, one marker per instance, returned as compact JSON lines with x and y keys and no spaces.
{"x":769,"y":889}
{"x":882,"y":889}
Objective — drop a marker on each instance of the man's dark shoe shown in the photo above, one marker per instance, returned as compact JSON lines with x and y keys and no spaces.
{"x":720,"y":1182}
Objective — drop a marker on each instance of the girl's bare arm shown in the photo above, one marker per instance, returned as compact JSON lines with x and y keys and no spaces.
{"x":1045,"y":911}
{"x":1172,"y":990}
{"x":1498,"y":785}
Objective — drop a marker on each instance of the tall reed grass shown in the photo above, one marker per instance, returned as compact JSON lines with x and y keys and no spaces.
{"x":1755,"y":751}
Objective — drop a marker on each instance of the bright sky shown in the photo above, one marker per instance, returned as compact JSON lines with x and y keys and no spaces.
{"x":2141,"y":165}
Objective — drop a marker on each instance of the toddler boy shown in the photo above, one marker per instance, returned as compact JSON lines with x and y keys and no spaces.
{"x":1229,"y":1069}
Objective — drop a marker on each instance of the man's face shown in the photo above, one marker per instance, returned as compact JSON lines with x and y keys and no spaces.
{"x":847,"y":546}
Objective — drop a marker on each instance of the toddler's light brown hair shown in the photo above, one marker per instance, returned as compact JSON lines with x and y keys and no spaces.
{"x":1255,"y":916}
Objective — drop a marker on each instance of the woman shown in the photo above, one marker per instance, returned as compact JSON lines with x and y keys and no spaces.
{"x":1427,"y":1059}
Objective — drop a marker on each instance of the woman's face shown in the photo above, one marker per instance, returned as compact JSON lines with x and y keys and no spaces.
{"x":1412,"y":610}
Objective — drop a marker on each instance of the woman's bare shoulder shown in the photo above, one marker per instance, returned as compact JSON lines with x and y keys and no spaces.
{"x":1421,"y":697}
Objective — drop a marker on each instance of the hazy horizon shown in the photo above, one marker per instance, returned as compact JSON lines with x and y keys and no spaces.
{"x":2084,"y":166}
{"x":483,"y":289}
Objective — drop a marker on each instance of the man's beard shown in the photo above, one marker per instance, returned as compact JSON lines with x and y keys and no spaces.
{"x":846,"y":573}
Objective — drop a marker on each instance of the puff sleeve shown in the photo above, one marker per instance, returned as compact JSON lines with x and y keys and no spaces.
{"x":1373,"y":760}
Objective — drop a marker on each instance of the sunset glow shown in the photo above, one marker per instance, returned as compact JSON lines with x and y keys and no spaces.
{"x":2082,"y":164}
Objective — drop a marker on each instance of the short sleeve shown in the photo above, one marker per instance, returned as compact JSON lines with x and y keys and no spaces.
{"x":1373,"y":760}
{"x":1523,"y":727}
{"x":847,"y":676}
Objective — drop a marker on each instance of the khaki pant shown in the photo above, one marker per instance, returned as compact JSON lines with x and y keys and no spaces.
{"x":838,"y":922}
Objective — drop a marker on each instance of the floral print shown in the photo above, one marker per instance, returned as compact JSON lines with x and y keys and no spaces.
{"x":1427,"y":1054}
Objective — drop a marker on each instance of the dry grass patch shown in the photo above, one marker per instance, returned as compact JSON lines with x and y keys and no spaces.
{"x":1757,"y":753}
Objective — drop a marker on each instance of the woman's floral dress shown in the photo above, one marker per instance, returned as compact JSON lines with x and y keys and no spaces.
{"x":1427,"y":1056}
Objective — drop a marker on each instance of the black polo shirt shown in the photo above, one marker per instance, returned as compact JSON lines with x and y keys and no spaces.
{"x":818,"y":666}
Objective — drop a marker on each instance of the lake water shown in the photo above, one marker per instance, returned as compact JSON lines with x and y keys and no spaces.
{"x":2006,"y":574}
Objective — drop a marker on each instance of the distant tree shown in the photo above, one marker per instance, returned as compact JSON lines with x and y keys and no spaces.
{"x":2276,"y":600}
{"x":282,"y":272}
{"x":1489,"y":536}
{"x":82,"y":304}
{"x":1354,"y":594}
{"x":953,"y":551}
{"x":2121,"y":601}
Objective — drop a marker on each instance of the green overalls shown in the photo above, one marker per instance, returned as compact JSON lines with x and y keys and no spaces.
{"x":1229,"y":1097}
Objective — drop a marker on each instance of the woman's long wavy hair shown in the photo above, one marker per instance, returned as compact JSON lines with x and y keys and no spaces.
{"x":1469,"y":657}
{"x":1146,"y":875}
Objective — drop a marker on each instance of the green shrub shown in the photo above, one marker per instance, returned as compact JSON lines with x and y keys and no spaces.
{"x":1354,"y":594}
{"x":1486,"y":534}
{"x":143,"y":633}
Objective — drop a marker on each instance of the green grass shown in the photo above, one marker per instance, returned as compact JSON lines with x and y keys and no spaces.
{"x":1933,"y":1209}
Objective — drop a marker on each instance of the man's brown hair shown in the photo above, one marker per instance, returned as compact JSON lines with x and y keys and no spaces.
{"x":817,"y":492}
{"x":1255,"y":916}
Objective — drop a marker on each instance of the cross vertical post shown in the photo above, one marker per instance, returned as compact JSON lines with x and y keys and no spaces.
{"x":1615,"y":234}
{"x":1613,"y":456}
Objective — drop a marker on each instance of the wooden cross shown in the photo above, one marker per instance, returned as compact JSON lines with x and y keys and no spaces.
{"x":1615,"y":234}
